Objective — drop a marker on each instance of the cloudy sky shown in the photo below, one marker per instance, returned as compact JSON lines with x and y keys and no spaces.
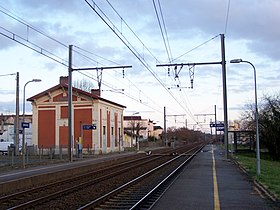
{"x":35,"y":35}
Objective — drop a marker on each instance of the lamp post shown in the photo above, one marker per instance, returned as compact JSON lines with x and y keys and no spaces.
{"x":23,"y":120}
{"x":256,"y":114}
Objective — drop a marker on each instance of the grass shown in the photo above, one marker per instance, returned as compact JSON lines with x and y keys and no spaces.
{"x":270,"y":170}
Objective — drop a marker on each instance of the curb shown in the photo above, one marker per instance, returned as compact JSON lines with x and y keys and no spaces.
{"x":259,"y":186}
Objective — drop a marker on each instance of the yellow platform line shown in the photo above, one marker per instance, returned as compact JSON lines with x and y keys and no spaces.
{"x":216,"y":191}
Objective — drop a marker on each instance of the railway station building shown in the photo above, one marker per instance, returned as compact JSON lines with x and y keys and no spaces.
{"x":50,"y":119}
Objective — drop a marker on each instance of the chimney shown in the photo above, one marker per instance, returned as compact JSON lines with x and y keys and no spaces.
{"x":63,"y":80}
{"x":95,"y":92}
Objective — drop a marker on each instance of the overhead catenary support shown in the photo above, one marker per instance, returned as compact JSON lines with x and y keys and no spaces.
{"x":164,"y":126}
{"x":223,"y":63}
{"x":70,"y":138}
{"x":204,"y":115}
{"x":215,"y":114}
{"x":224,"y":94}
{"x":99,"y":71}
{"x":17,"y":116}
{"x":70,"y":106}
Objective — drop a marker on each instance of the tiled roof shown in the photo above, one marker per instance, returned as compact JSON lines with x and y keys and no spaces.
{"x":65,"y":86}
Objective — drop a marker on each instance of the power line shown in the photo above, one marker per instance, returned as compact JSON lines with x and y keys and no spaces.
{"x":32,"y":46}
{"x":91,"y":53}
{"x":3,"y":75}
{"x":227,"y":15}
{"x":123,"y":39}
{"x":165,"y":30}
{"x":165,"y":41}
{"x":196,"y":47}
{"x":29,"y":26}
{"x":126,"y":24}
{"x":25,"y":41}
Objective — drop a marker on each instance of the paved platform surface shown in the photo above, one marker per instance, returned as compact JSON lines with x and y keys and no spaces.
{"x":212,"y":182}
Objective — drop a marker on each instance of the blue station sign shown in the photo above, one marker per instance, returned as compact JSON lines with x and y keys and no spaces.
{"x":25,"y":125}
{"x":89,"y":127}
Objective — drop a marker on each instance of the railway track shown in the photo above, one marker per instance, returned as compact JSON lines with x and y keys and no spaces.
{"x":143,"y":192}
{"x":38,"y":194}
{"x":61,"y":192}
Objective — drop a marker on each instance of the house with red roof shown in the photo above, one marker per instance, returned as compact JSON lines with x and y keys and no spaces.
{"x":50,"y":119}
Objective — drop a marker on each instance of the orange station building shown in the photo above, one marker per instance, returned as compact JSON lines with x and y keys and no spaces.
{"x":50,"y":119}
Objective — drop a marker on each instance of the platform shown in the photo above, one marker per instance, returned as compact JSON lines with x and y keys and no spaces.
{"x":211,"y":181}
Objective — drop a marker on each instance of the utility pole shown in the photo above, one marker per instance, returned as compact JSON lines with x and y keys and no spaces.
{"x":16,"y":120}
{"x":224,"y":94}
{"x":164,"y":126}
{"x":70,"y":106}
{"x":165,"y":130}
{"x":70,"y":137}
{"x":223,"y":63}
{"x":17,"y":115}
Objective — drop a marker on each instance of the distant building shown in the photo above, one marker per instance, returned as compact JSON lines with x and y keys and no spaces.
{"x":7,"y":129}
{"x":50,"y":119}
{"x":135,"y":126}
{"x":157,"y":132}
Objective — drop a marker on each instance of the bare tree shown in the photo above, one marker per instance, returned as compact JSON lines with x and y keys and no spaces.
{"x":135,"y":127}
{"x":84,"y":84}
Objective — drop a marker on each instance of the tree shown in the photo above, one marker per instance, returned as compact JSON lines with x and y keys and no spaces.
{"x":184,"y":135}
{"x":269,"y":123}
{"x":136,"y":126}
{"x":84,"y":84}
{"x":269,"y":120}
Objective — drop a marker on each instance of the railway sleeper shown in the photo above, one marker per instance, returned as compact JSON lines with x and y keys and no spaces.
{"x":120,"y":199}
{"x":120,"y":203}
{"x":125,"y":206}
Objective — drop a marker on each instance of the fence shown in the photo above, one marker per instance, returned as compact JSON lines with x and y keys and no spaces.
{"x":40,"y":155}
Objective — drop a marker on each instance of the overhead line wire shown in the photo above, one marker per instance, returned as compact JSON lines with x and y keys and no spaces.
{"x":165,"y":30}
{"x":40,"y":51}
{"x":30,"y":26}
{"x":129,"y":29}
{"x":196,"y":47}
{"x":136,"y":54}
{"x":161,"y":31}
{"x":44,"y":52}
{"x":227,"y":16}
{"x":166,"y":41}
